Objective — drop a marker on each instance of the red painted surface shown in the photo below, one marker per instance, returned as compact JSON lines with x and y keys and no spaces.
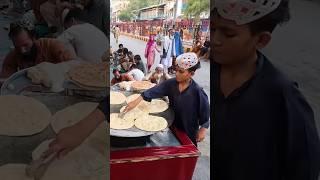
{"x":156,"y":163}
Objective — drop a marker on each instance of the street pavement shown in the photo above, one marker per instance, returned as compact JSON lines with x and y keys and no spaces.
{"x":202,"y":77}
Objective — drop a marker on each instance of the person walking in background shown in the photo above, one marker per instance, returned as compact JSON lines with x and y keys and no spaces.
{"x":117,"y":33}
{"x":178,"y":49}
{"x":168,"y":51}
{"x":150,"y":52}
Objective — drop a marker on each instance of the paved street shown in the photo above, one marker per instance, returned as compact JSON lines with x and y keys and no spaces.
{"x":202,"y":77}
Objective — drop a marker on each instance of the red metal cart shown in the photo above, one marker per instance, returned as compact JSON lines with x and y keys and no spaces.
{"x":156,"y":163}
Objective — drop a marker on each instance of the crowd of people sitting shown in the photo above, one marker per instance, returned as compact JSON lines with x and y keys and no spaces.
{"x":81,"y":34}
{"x":202,"y":49}
{"x":130,"y":67}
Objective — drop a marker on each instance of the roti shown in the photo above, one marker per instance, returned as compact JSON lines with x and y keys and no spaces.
{"x":117,"y":98}
{"x":82,"y":163}
{"x":14,"y":172}
{"x":22,"y":116}
{"x":134,"y":113}
{"x":142,"y":85}
{"x":119,"y":123}
{"x":151,"y":123}
{"x":71,"y":115}
{"x":125,"y":85}
{"x":92,"y":75}
{"x":157,"y":106}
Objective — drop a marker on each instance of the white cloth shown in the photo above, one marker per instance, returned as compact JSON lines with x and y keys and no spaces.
{"x":168,"y":45}
{"x":137,"y":74}
{"x":89,"y":43}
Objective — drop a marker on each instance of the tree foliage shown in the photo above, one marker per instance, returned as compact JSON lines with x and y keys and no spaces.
{"x":194,"y":8}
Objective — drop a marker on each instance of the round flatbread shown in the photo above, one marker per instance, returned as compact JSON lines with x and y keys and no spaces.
{"x":143,"y":105}
{"x":157,"y":106}
{"x":117,"y":98}
{"x":71,"y":115}
{"x":14,"y":172}
{"x":142,"y":85}
{"x":119,"y":123}
{"x":133,"y":114}
{"x":22,"y":116}
{"x":94,"y":75}
{"x":125,"y":85}
{"x":82,"y":163}
{"x":151,"y":123}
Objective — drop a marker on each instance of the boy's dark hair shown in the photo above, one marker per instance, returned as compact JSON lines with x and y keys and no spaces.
{"x":125,"y":50}
{"x":120,"y":45}
{"x":137,"y":57}
{"x":73,"y":13}
{"x":269,"y":21}
{"x":194,"y":68}
{"x":115,"y":70}
{"x":16,"y":28}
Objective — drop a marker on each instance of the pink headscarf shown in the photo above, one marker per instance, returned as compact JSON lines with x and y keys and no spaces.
{"x":150,"y":42}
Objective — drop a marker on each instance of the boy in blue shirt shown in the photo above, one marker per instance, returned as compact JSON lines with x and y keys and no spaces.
{"x":264,"y":127}
{"x":187,"y":99}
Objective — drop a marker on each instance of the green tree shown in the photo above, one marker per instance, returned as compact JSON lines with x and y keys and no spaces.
{"x":194,"y":8}
{"x":125,"y":15}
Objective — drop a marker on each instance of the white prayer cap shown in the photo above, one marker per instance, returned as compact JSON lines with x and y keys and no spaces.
{"x":245,"y":11}
{"x":160,"y":66}
{"x":187,"y":60}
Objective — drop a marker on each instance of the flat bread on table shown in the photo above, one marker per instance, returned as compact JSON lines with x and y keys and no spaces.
{"x":14,"y":172}
{"x":125,"y":85}
{"x":134,"y":113}
{"x":151,"y":123}
{"x":22,"y":116}
{"x":82,"y":163}
{"x":71,"y":115}
{"x":120,"y":123}
{"x":92,"y":75}
{"x":117,"y":98}
{"x":157,"y":106}
{"x":142,"y":85}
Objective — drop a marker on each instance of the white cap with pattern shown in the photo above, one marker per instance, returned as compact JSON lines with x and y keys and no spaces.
{"x":187,"y":60}
{"x":245,"y":11}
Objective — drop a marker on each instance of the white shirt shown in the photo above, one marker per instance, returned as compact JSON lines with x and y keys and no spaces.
{"x":137,"y":74}
{"x":88,"y":42}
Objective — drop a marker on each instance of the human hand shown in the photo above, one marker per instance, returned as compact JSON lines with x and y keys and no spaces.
{"x":201,"y":134}
{"x":66,"y":140}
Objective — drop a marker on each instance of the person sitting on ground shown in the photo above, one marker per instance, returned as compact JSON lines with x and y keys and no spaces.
{"x":29,"y":52}
{"x":205,"y":48}
{"x":130,"y":55}
{"x":120,"y":77}
{"x":140,"y":65}
{"x":159,"y":75}
{"x":197,"y":47}
{"x":125,"y":53}
{"x":136,"y":73}
{"x":88,"y":48}
{"x":124,"y":65}
{"x":120,"y":50}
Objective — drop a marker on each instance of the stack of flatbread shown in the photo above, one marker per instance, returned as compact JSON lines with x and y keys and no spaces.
{"x":90,"y":76}
{"x":142,"y":85}
{"x":139,"y":117}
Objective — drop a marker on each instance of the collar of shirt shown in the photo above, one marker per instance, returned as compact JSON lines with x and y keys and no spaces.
{"x":237,"y":92}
